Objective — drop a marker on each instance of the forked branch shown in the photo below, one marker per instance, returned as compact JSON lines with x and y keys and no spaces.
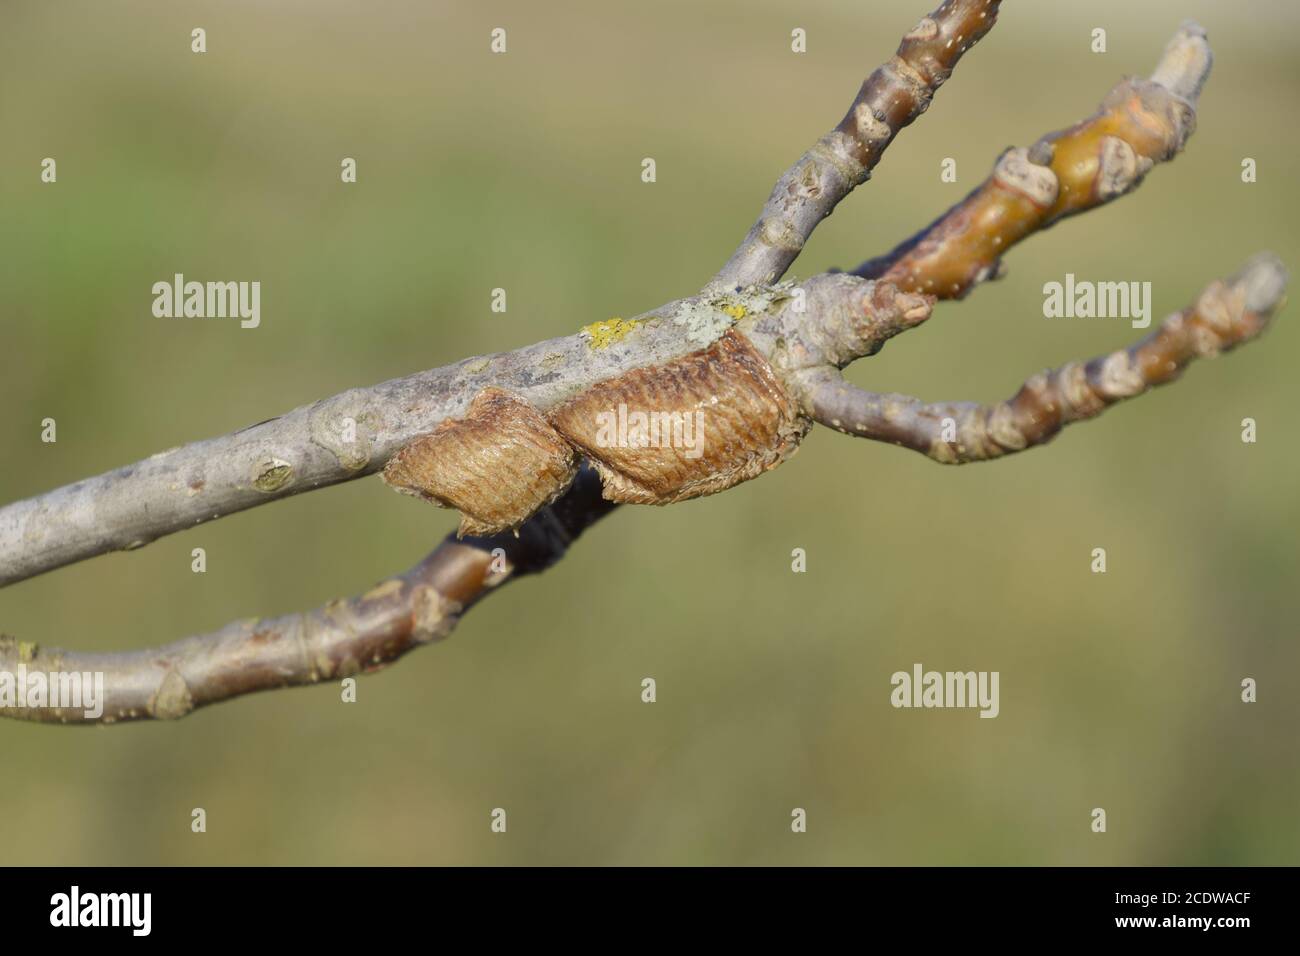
{"x":802,"y":334}
{"x":1140,"y":123}
{"x":355,"y":433}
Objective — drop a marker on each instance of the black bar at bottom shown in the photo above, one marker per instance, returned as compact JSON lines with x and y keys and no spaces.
{"x":370,"y":905}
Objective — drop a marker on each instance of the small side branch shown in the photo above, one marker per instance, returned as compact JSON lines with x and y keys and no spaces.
{"x":342,"y":638}
{"x":893,"y":96}
{"x":1226,"y":314}
{"x":1139,"y":124}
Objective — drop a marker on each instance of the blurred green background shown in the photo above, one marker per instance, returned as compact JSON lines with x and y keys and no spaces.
{"x":522,"y":171}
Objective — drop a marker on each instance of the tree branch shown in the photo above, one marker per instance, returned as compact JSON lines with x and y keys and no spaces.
{"x":806,"y":332}
{"x":892,"y":97}
{"x":1226,"y":314}
{"x":337,"y":439}
{"x":356,"y":433}
{"x":1140,"y":123}
{"x":338,"y":640}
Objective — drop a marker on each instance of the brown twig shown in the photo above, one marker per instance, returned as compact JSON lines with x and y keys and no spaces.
{"x":892,"y":97}
{"x":1139,"y":124}
{"x":338,"y":640}
{"x":1226,"y":314}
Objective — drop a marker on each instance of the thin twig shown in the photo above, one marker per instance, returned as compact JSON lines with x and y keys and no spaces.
{"x":1139,"y":124}
{"x":1226,"y":314}
{"x":892,"y":97}
{"x":337,"y":640}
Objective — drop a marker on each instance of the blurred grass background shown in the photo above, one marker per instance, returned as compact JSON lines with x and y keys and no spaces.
{"x":522,"y":171}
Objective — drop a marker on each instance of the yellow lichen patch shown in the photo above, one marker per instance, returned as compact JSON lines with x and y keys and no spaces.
{"x":606,"y":333}
{"x":26,"y":652}
{"x":735,"y":310}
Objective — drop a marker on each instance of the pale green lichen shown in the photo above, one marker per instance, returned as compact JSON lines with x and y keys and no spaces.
{"x":602,"y":335}
{"x":27,"y":652}
{"x":707,"y":319}
{"x":703,"y":321}
{"x":759,"y":298}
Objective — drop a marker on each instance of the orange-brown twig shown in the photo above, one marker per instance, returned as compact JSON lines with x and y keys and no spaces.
{"x":1139,"y":124}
